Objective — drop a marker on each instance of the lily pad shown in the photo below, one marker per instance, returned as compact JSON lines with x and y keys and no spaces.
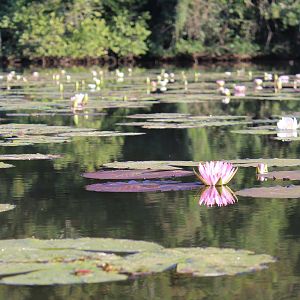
{"x":194,"y":261}
{"x":276,"y":192}
{"x":255,"y":131}
{"x":151,"y":165}
{"x":89,"y":244}
{"x":52,"y":262}
{"x":36,"y":156}
{"x":158,"y":116}
{"x":181,"y":121}
{"x":100,"y":134}
{"x":29,"y":134}
{"x":6,"y":207}
{"x":283,"y":175}
{"x":271,"y":162}
{"x":217,"y":262}
{"x":135,"y":174}
{"x":143,"y":186}
{"x":176,"y":165}
{"x":72,"y":273}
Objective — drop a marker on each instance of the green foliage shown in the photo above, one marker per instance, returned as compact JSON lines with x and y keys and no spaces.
{"x":128,"y":37}
{"x":73,"y":30}
{"x":79,"y":29}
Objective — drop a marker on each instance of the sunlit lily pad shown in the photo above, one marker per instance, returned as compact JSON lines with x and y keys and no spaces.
{"x":36,"y":156}
{"x":29,"y":134}
{"x":100,"y":134}
{"x":181,"y":121}
{"x":69,"y":273}
{"x":142,"y":186}
{"x":135,"y":174}
{"x":53,"y":262}
{"x":255,"y":131}
{"x":89,"y":244}
{"x":142,"y":165}
{"x":6,"y":207}
{"x":271,"y":162}
{"x":283,"y":175}
{"x":217,"y":262}
{"x":158,"y":116}
{"x":276,"y":192}
{"x":176,"y":165}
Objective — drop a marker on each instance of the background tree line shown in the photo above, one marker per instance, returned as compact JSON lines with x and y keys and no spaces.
{"x":88,"y":29}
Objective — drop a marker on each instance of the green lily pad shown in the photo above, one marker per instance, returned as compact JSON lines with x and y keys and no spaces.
{"x":19,"y":268}
{"x":51,"y":262}
{"x":33,"y":255}
{"x":217,"y":262}
{"x":100,"y":134}
{"x":29,"y":134}
{"x":276,"y":192}
{"x":254,"y":131}
{"x":148,"y":262}
{"x":271,"y":162}
{"x":158,"y":116}
{"x":36,"y":156}
{"x":90,"y":244}
{"x":6,"y":207}
{"x":194,"y":261}
{"x":175,"y":165}
{"x":70,"y":273}
{"x":191,"y":124}
{"x":283,"y":175}
{"x":181,"y":121}
{"x":142,"y":165}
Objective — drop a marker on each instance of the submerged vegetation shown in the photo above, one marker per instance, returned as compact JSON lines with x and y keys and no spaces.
{"x":89,"y":30}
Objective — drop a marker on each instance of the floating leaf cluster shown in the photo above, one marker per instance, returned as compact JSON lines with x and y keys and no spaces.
{"x":90,"y":260}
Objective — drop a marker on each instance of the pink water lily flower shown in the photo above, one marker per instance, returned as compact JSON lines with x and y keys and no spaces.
{"x":216,"y":172}
{"x":211,"y":196}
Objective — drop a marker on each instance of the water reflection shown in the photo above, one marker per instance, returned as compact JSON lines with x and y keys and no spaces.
{"x":287,"y":134}
{"x":217,"y":196}
{"x":260,"y":177}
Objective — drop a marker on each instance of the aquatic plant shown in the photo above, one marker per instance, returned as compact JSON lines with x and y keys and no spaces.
{"x":216,"y":172}
{"x":262,"y":168}
{"x":287,"y":123}
{"x":220,"y":83}
{"x":239,"y":90}
{"x":211,"y":196}
{"x":79,"y":100}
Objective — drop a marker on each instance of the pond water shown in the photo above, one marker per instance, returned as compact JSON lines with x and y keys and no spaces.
{"x":51,"y":200}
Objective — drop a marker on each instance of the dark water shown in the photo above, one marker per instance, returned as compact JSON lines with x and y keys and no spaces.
{"x":52,"y":203}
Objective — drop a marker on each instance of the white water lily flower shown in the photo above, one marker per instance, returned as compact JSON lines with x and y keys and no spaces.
{"x":226,"y":100}
{"x":268,"y":76}
{"x":78,"y":99}
{"x":287,"y":123}
{"x":220,"y":83}
{"x":258,"y":81}
{"x":284,"y":78}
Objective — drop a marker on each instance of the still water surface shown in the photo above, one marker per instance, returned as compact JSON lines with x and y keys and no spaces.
{"x":51,"y":202}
